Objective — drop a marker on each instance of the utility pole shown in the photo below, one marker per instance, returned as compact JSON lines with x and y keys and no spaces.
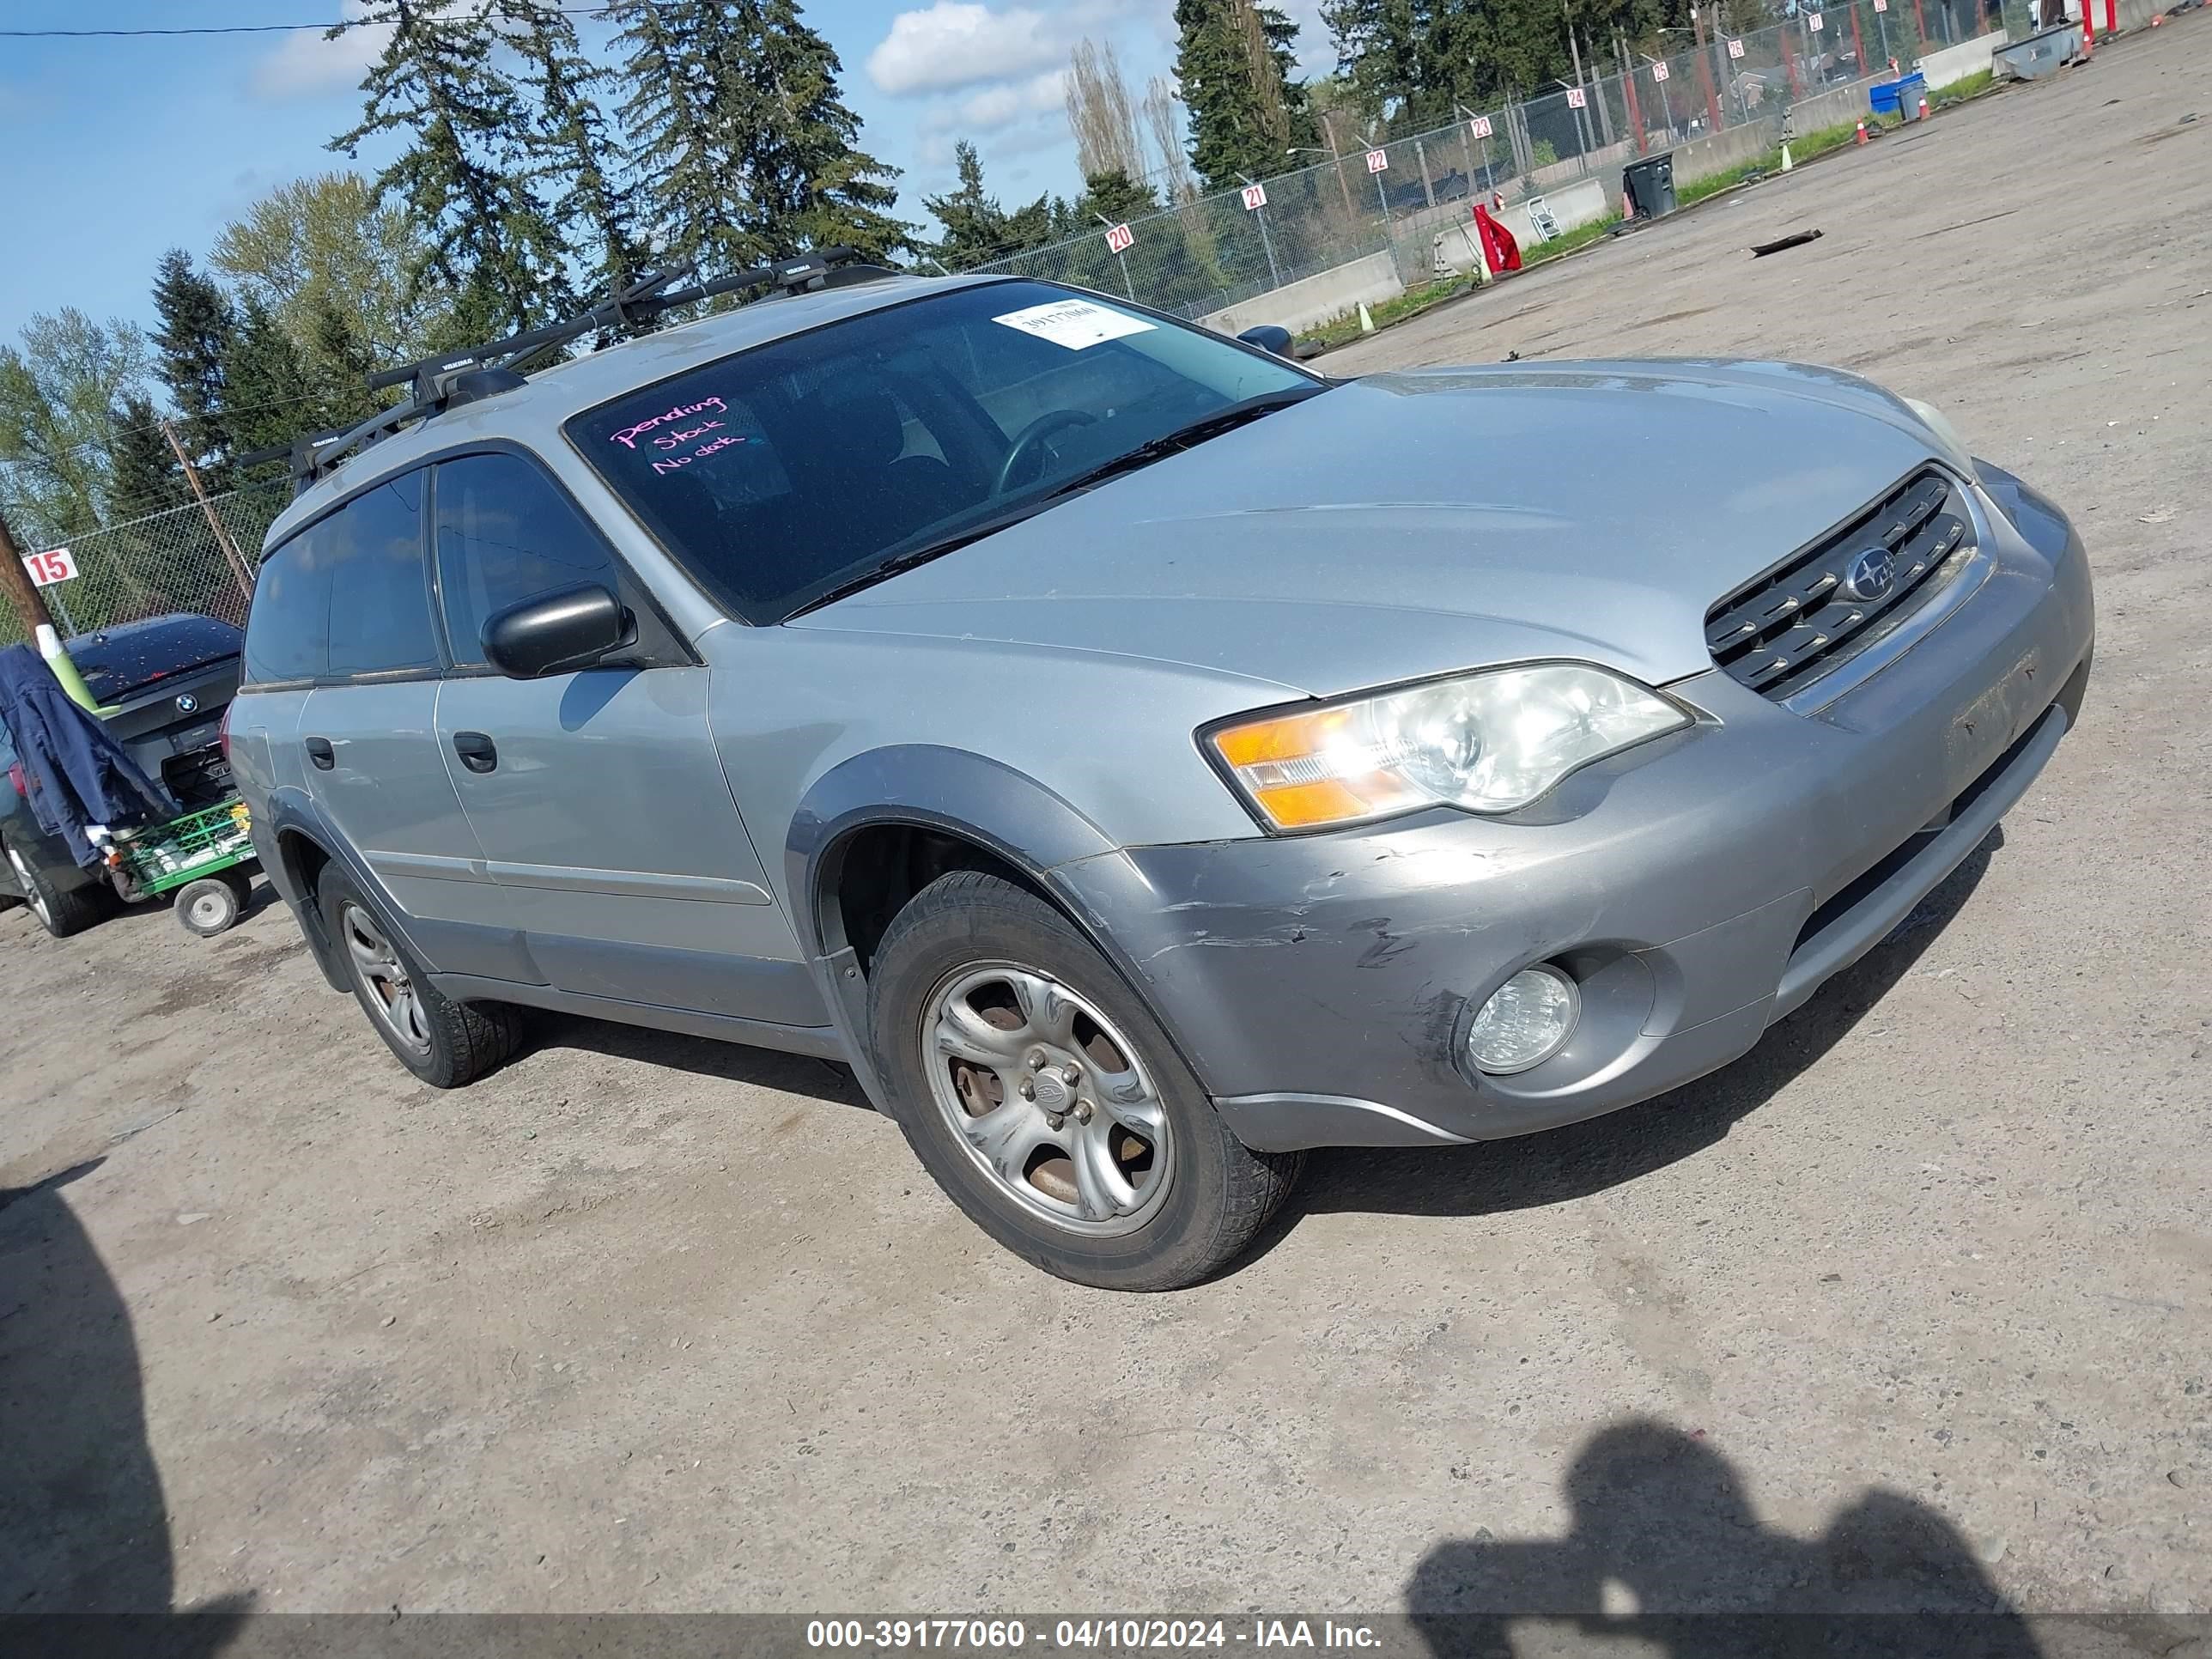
{"x":239,"y":573}
{"x":38,"y":621}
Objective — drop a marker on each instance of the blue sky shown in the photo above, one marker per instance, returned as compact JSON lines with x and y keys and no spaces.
{"x":118,"y":150}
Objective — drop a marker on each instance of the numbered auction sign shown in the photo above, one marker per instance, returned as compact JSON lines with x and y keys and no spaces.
{"x":1120,"y":238}
{"x":1377,"y":160}
{"x":1256,"y":197}
{"x":1482,"y":124}
{"x":1575,"y":99}
{"x":1814,"y":22}
{"x":49,"y":567}
{"x":1658,"y":71}
{"x":1735,"y":48}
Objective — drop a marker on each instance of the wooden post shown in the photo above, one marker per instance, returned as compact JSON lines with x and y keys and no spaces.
{"x":239,"y":571}
{"x":1705,"y":71}
{"x":38,"y":621}
{"x":1858,"y":46}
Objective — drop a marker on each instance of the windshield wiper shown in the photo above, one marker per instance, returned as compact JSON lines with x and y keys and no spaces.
{"x":922,"y":555}
{"x":1183,"y":437}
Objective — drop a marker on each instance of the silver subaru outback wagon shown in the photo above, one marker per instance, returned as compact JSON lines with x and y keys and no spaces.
{"x":1139,"y":758}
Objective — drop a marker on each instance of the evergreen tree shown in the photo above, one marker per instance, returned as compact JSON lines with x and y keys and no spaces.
{"x":338,"y":363}
{"x":1237,"y":63}
{"x":463,"y":176}
{"x":681,"y":137}
{"x":745,"y":148}
{"x":270,"y":395}
{"x":143,"y":474}
{"x":810,"y":187}
{"x":573,"y":156}
{"x":977,"y":230}
{"x":197,"y":325}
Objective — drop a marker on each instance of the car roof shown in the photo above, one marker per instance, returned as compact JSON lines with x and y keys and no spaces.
{"x":551,"y":395}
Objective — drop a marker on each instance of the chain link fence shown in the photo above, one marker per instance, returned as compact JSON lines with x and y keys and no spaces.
{"x":195,"y":557}
{"x":1392,"y":191}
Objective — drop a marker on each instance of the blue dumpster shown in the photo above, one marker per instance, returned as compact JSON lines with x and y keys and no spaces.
{"x":1900,"y":97}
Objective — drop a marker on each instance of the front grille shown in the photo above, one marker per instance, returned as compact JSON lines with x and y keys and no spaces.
{"x":1805,"y":616}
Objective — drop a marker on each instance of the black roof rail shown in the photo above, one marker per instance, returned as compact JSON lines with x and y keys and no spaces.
{"x":468,"y":372}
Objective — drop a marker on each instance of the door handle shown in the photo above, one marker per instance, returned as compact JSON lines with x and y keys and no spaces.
{"x":477,"y":752}
{"x":318,"y":751}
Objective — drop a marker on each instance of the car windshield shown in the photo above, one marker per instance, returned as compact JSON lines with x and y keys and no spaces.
{"x":799,"y":469}
{"x":118,"y":661}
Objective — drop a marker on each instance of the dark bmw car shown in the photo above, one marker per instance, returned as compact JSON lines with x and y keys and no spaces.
{"x":168,"y":680}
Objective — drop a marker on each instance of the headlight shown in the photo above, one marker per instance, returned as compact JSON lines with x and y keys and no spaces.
{"x":1489,"y":741}
{"x":1939,"y":423}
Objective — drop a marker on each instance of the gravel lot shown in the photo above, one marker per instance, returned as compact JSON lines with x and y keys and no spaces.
{"x":1913,"y":1304}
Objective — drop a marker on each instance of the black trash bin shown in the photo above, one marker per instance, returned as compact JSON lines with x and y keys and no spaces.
{"x":1649,"y":185}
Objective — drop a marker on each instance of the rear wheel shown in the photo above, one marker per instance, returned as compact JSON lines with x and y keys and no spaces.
{"x":60,"y":910}
{"x":212,"y":904}
{"x":1039,"y":1091}
{"x":444,"y":1042}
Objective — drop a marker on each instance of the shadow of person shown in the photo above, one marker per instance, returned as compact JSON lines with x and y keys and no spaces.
{"x":83,"y":1528}
{"x":1664,"y":1548}
{"x":1530,"y":1171}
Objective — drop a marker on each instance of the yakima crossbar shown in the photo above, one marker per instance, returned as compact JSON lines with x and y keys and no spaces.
{"x":468,"y":372}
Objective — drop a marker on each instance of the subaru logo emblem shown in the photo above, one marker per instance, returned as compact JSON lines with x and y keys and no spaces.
{"x":1870,"y":574}
{"x":187,"y":703}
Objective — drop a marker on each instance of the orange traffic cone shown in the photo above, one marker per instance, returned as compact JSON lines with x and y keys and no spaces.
{"x":1923,"y":105}
{"x":1627,"y":206}
{"x":1861,"y":139}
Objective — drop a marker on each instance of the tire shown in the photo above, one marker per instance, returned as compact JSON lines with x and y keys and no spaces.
{"x":61,"y":911}
{"x":445,"y":1043}
{"x":208,"y":906}
{"x":986,"y":1010}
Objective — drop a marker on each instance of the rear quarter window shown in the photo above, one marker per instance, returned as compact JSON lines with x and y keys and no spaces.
{"x":348,"y":594}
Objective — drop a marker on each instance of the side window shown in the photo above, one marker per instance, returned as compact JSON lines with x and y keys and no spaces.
{"x":506,"y":534}
{"x":288,"y":633}
{"x":379,"y":606}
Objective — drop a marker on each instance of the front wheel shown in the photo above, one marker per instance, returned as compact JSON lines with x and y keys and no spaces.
{"x":1041,"y":1094}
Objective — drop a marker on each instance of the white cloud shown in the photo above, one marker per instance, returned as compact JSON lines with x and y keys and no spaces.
{"x":957,"y":42}
{"x":1001,"y":106}
{"x":305,"y":64}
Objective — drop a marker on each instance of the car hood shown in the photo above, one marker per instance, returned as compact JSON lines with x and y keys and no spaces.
{"x":1412,"y":524}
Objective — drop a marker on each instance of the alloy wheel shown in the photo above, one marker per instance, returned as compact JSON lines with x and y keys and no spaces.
{"x":392,"y":995}
{"x":1047,"y":1097}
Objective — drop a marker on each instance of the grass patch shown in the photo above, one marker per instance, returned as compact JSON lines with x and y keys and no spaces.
{"x":1568,"y":241}
{"x":1959,"y":91}
{"x":1338,"y":330}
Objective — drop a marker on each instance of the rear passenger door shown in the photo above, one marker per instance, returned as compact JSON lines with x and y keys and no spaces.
{"x":598,"y":797}
{"x":354,"y":592}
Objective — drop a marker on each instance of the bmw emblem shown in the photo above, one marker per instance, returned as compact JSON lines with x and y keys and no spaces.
{"x":1870,"y":574}
{"x":187,"y":704}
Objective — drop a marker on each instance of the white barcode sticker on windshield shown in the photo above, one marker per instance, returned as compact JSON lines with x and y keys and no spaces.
{"x":1074,"y":323}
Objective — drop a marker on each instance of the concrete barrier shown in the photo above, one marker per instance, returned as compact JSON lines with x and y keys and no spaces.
{"x":1832,"y":109}
{"x":1954,"y":63}
{"x":1716,"y":152}
{"x":1314,"y":299}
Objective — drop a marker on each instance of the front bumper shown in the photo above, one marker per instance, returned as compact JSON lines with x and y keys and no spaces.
{"x":1697,"y":888}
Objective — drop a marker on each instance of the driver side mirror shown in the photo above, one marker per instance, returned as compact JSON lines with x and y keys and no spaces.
{"x":1268,"y":336}
{"x":555,"y":633}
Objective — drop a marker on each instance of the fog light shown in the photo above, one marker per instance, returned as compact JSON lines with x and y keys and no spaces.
{"x":1525,"y":1024}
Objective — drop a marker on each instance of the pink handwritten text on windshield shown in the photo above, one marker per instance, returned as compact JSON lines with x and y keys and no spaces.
{"x":629,"y":436}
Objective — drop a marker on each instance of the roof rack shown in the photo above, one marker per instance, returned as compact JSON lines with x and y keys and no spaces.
{"x":472,"y":371}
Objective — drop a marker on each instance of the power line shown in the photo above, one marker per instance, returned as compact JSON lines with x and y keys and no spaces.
{"x":244,"y":28}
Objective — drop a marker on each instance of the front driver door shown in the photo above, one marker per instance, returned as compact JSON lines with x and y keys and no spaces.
{"x":606,"y":823}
